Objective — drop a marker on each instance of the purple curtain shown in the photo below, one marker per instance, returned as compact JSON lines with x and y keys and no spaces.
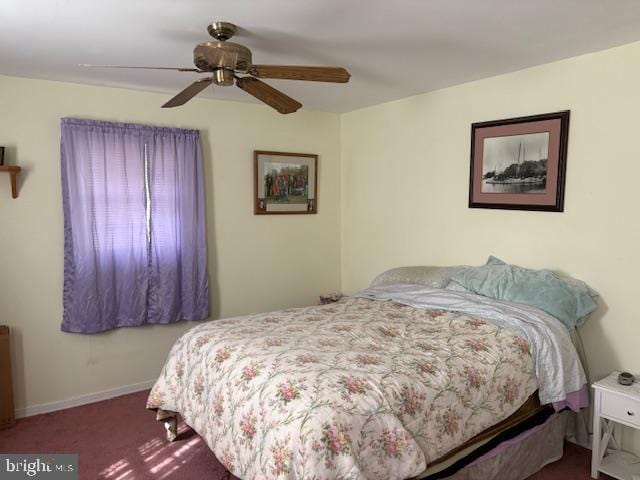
{"x":178,"y":287}
{"x":135,"y":248}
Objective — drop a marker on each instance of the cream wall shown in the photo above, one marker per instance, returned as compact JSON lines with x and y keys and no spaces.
{"x":406,"y":179}
{"x":256,"y":263}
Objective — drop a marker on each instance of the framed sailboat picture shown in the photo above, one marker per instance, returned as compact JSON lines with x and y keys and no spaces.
{"x":519,"y":163}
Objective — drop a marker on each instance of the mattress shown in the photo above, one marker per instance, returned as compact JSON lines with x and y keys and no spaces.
{"x":362,"y":388}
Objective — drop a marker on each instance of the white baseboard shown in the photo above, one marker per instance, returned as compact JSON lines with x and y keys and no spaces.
{"x":83,"y":399}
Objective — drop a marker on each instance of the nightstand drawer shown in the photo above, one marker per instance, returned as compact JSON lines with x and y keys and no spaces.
{"x":618,"y":407}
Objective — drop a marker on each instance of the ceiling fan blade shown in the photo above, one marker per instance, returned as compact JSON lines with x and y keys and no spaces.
{"x":269,"y":95}
{"x":177,"y":69}
{"x":292,"y":72}
{"x":188,"y":93}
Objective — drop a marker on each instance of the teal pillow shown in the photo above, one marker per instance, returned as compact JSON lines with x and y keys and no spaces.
{"x":578,"y":286}
{"x":568,"y":301}
{"x":495,"y":261}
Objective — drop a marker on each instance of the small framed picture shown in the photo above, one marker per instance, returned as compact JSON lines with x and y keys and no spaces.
{"x":1,"y":155}
{"x":285,"y":183}
{"x":519,"y":163}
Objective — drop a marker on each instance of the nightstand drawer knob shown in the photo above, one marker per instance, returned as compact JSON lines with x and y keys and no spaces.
{"x":631,"y":413}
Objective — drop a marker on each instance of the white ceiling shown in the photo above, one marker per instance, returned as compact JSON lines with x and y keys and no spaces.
{"x":393,"y":48}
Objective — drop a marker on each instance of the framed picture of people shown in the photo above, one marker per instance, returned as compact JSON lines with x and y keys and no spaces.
{"x":285,"y":183}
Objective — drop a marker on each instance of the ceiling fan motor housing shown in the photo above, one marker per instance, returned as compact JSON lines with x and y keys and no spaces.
{"x":210,"y":56}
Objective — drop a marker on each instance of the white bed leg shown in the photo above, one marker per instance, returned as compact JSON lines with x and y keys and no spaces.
{"x":171,"y":427}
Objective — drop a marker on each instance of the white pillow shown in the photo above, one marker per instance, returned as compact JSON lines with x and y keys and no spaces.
{"x":436,"y":277}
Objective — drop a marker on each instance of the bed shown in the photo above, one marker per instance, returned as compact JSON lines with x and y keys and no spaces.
{"x":399,"y":381}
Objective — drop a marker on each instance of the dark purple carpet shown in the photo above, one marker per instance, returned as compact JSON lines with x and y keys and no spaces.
{"x":119,"y":439}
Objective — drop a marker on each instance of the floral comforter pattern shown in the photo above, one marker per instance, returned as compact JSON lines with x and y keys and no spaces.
{"x":359,"y":389}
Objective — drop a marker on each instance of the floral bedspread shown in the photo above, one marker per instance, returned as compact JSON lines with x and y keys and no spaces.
{"x":359,"y":389}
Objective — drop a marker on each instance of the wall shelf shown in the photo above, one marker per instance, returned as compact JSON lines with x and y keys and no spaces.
{"x":13,"y":171}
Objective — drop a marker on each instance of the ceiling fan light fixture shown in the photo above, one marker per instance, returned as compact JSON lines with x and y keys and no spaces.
{"x":223,"y":77}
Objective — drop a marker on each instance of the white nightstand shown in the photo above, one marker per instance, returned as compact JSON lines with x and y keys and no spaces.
{"x":614,"y":405}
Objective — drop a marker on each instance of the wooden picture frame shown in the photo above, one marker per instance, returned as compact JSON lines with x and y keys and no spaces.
{"x":519,"y":163}
{"x":285,"y":183}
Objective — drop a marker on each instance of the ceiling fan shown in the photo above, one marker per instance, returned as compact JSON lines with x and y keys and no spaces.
{"x":228,"y":63}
